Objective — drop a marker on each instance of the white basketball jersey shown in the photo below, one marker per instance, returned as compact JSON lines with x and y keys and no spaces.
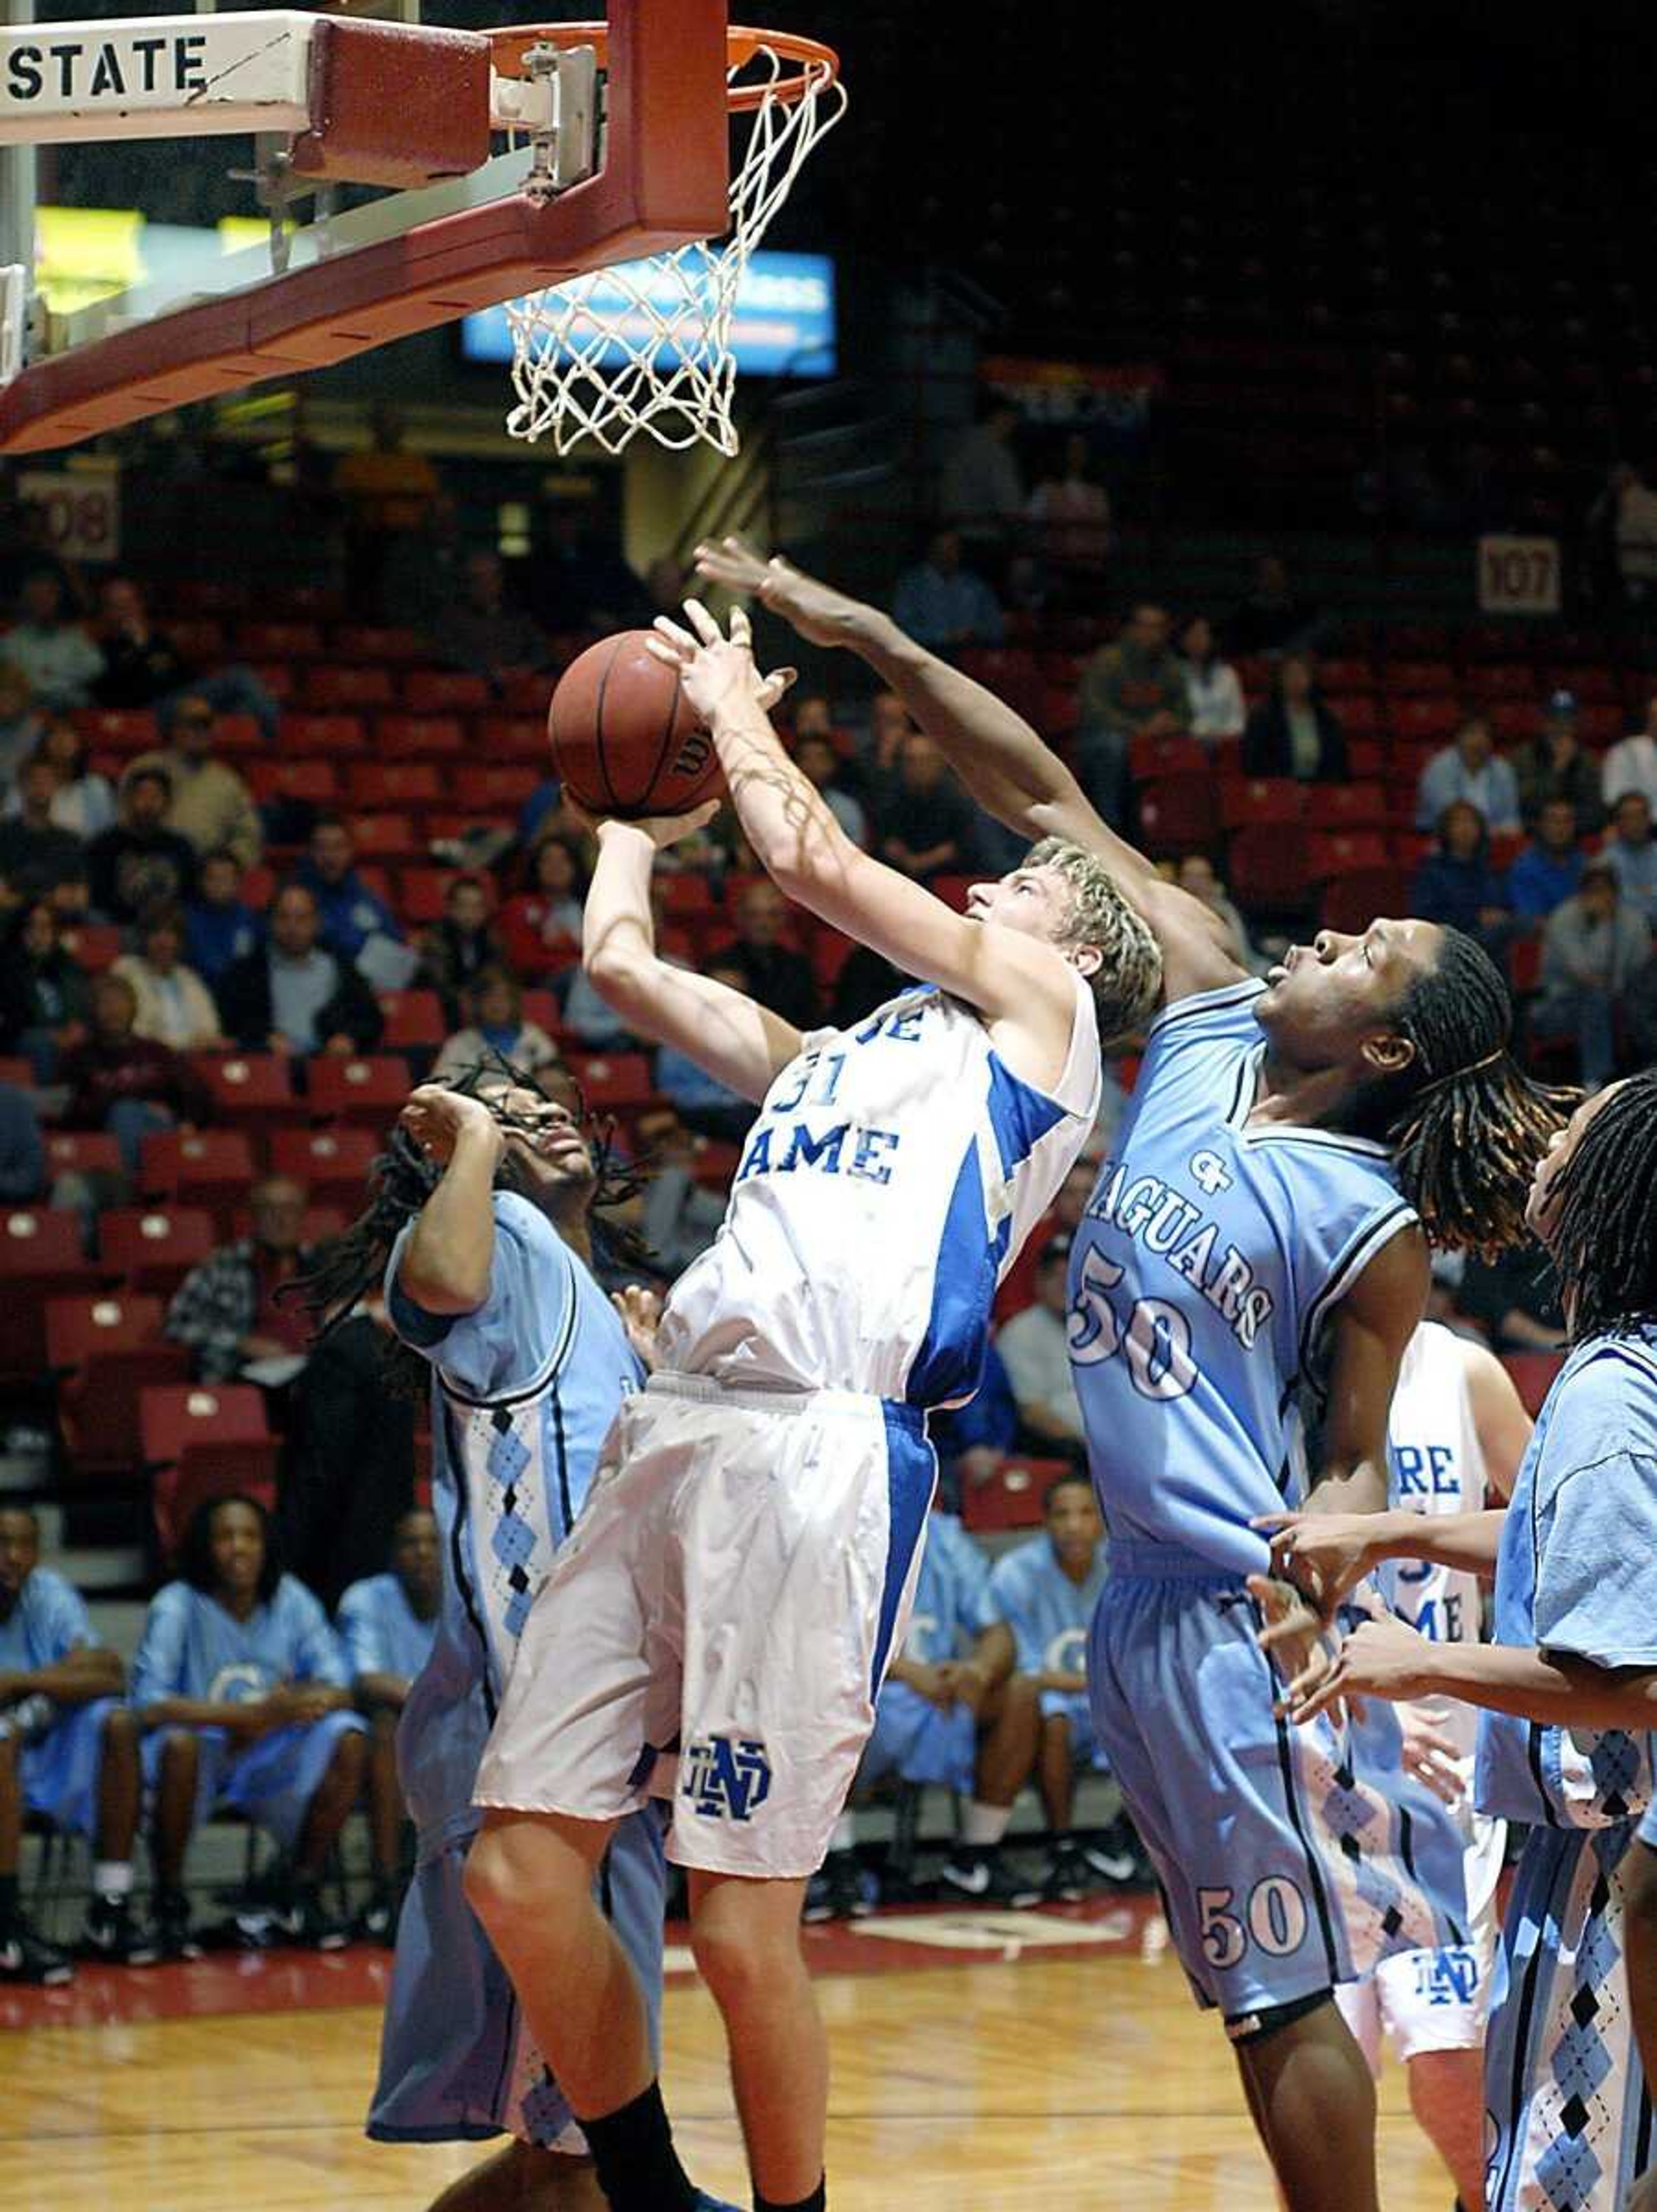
{"x":894,"y":1172}
{"x":1435,"y":1465}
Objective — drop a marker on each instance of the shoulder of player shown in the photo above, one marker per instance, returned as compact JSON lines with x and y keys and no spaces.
{"x":1390,"y":1284}
{"x":1605,"y":1399}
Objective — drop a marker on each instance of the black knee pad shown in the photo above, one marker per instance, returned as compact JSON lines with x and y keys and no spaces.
{"x":1255,"y":2027}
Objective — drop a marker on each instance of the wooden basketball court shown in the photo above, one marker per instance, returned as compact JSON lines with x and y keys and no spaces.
{"x":995,"y":2062}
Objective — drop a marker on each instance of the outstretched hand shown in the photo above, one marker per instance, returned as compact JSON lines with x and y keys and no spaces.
{"x":437,"y":1117}
{"x":817,"y":612}
{"x":642,"y":1313}
{"x":717,"y":672}
{"x":661,"y":829}
{"x":1325,"y":1555}
{"x":1382,"y":1657}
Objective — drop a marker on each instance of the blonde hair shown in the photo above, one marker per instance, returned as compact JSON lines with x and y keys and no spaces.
{"x":1128,"y":982}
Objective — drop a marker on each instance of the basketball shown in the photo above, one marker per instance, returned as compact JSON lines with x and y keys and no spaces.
{"x":625,"y":741}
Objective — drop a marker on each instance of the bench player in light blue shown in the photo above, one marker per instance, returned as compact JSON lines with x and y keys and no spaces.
{"x":1261,"y":1224}
{"x":746,"y":1562}
{"x":387,"y":1625}
{"x":1567,"y":1686}
{"x":482,"y":1229}
{"x":1045,"y":1590}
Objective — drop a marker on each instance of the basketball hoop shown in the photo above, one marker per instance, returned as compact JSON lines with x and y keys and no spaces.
{"x":646,"y":345}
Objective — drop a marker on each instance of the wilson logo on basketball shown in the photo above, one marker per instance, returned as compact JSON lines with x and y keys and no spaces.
{"x":694,"y":754}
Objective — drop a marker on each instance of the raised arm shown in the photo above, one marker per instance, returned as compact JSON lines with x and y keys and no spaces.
{"x":998,"y":756}
{"x":446,"y":1262}
{"x":740,"y":1042}
{"x":1022,"y":985}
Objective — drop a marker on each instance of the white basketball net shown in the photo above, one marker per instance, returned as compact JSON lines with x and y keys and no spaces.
{"x":646,"y":345}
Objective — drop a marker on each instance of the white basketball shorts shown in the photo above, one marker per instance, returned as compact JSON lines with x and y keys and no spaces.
{"x":1436,"y":2000}
{"x":742,"y":1570}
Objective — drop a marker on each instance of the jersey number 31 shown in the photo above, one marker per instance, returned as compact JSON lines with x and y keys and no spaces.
{"x":1155,"y":1339}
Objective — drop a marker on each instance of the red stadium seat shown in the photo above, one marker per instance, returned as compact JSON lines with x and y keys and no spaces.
{"x":208,"y":1167}
{"x":1332,"y":853}
{"x":204,"y":1440}
{"x":1267,"y":866}
{"x":318,"y":1225}
{"x":40,"y":1258}
{"x":445,"y":691}
{"x":416,"y":737}
{"x":155,"y":1247}
{"x":105,"y":1349}
{"x":421,"y":893}
{"x":1424,"y":719}
{"x":412,"y":1018}
{"x":278,"y":640}
{"x":613,"y":1080}
{"x":1345,"y":675}
{"x":1348,"y":805}
{"x":250,"y":1090}
{"x":1179,"y":814}
{"x":1262,"y":801}
{"x":353,"y":1087}
{"x":392,"y":783}
{"x":330,"y":686}
{"x":1158,"y":756}
{"x":1428,"y":677}
{"x":494,"y":786}
{"x":385,"y":837}
{"x":332,"y":1163}
{"x":94,"y":943}
{"x":374,"y":641}
{"x":81,"y":1152}
{"x":516,"y":737}
{"x":1525,"y":965}
{"x":1011,"y":1498}
{"x":328,"y":735}
{"x":1350,"y":903}
{"x":118,"y":730}
{"x":18,"y":1072}
{"x":1359,"y":717}
{"x":314,"y":779}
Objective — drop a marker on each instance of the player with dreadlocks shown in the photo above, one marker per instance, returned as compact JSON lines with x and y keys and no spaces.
{"x":1567,"y":1688}
{"x":487,"y":1205}
{"x":1290,"y":1146}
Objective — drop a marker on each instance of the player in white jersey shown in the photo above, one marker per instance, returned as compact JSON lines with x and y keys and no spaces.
{"x":1455,"y":1437}
{"x":745,"y":1563}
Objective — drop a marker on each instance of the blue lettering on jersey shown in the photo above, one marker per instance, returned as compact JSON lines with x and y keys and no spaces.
{"x":803,"y":1150}
{"x":723,"y":1777}
{"x":1176,"y":1228}
{"x":901,"y":1024}
{"x":1429,"y":1473}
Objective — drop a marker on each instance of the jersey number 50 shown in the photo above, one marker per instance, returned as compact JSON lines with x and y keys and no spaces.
{"x":1155,"y":1339}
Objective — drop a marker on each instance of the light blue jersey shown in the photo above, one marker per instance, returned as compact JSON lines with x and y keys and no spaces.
{"x":524,"y":1391}
{"x":192,"y":1648}
{"x":1211,"y":1257}
{"x":1050,"y":1617}
{"x":1577,"y":1574}
{"x":380,"y":1631}
{"x":59,"y":1763}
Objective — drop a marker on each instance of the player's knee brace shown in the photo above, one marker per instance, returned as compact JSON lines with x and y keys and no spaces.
{"x":1269,"y":2019}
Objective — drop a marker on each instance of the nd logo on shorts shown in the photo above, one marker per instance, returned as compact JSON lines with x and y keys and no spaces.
{"x":1447,"y":1977}
{"x":725,"y":1777}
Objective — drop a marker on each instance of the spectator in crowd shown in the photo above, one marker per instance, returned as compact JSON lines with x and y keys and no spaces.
{"x":129,"y":1086}
{"x":49,"y":648}
{"x":220,"y":926}
{"x":69,"y":1751}
{"x":210,"y":805}
{"x":70,"y":899}
{"x":83,"y":803}
{"x":1456,"y":885}
{"x":460,"y":945}
{"x":174,"y":1004}
{"x":1195,"y":874}
{"x":926,"y":821}
{"x":143,"y":667}
{"x":424,"y":570}
{"x":1593,"y":945}
{"x":1295,"y":731}
{"x":285,"y":1748}
{"x":347,"y":1473}
{"x":387,"y":1624}
{"x":495,"y":1002}
{"x":1514,"y":1299}
{"x":1036,"y":1348}
{"x":481,"y":632}
{"x":388,"y":493}
{"x":1070,"y":515}
{"x":1473,"y":769}
{"x":943,"y":604}
{"x":141,"y":863}
{"x":292,"y":995}
{"x":227,"y":1311}
{"x":36,"y":854}
{"x":705,"y":1105}
{"x":1135,"y":688}
{"x":351,"y":915}
{"x":1630,"y":853}
{"x":680,"y":1218}
{"x":820,"y":763}
{"x":22,"y":1151}
{"x":981,"y":487}
{"x":541,"y":924}
{"x":1273,"y":617}
{"x":1213,"y":687}
{"x":1631,"y":764}
{"x":1551,"y":867}
{"x":1553,"y":765}
{"x":578,"y":582}
{"x":952,"y":1712}
{"x":1629,"y":506}
{"x":771,"y":971}
{"x":1045,"y":1591}
{"x":812,"y":716}
{"x":21,"y":723}
{"x":45,"y":1002}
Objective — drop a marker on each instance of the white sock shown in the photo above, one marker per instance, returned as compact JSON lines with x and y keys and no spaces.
{"x":111,"y":1878}
{"x":845,"y":1835}
{"x":984,"y":1825}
